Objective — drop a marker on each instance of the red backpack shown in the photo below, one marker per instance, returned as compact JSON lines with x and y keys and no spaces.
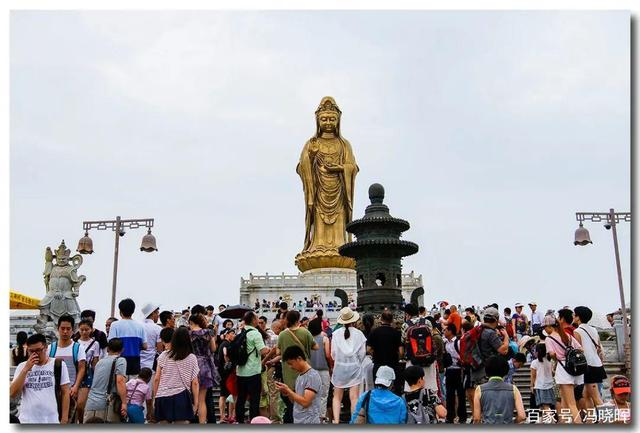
{"x":469,"y":348}
{"x":420,"y":350}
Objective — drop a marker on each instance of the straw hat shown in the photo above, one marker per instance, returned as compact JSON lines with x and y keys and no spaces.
{"x":347,"y":315}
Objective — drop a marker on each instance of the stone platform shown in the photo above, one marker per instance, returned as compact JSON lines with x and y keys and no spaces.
{"x":314,"y":284}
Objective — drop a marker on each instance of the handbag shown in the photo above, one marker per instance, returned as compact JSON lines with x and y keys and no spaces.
{"x":114,"y":402}
{"x":363,"y":413}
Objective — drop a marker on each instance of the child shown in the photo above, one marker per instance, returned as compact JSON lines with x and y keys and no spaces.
{"x":518,"y":360}
{"x":423,"y":405}
{"x":619,"y":406}
{"x":542,"y":378}
{"x":495,"y":401}
{"x":306,"y":398}
{"x":92,"y":351}
{"x":138,"y":390}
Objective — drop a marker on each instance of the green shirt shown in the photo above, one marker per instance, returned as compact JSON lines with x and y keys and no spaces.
{"x":254,"y":345}
{"x":285,"y":340}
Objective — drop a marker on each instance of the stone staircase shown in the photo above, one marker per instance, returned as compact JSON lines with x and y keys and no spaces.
{"x":521,"y":379}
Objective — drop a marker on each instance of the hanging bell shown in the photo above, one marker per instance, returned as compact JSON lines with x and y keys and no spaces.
{"x":582,"y":236}
{"x":148,"y":243}
{"x":85,"y":245}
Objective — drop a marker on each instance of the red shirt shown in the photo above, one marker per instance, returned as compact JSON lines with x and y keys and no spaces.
{"x":456,"y":319}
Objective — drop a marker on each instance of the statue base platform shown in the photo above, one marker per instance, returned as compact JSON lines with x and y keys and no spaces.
{"x":322,"y":259}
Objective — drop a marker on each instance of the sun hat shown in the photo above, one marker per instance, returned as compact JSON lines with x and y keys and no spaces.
{"x":619,"y":384}
{"x":149,"y":308}
{"x":347,"y":315}
{"x":519,"y":305}
{"x":533,"y":303}
{"x":260,"y":420}
{"x":385,"y":376}
{"x":549,"y":321}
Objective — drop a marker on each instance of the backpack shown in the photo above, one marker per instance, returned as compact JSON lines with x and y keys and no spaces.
{"x":237,"y":350}
{"x":470,"y":355}
{"x":420,"y":348}
{"x":521,"y":324}
{"x":447,"y":359}
{"x":575,"y":362}
{"x":74,"y":351}
{"x":416,"y":411}
{"x":57,"y":374}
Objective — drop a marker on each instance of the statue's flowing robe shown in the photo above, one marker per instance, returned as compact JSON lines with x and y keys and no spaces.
{"x":307,"y":172}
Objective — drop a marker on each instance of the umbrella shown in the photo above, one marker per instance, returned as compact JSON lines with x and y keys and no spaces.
{"x":235,"y":311}
{"x":443,"y":304}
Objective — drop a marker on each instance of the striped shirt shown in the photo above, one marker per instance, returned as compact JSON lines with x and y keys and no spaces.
{"x":176,"y":376}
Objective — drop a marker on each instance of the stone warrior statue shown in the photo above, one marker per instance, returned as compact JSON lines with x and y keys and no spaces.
{"x":328,"y":170}
{"x":62,"y":283}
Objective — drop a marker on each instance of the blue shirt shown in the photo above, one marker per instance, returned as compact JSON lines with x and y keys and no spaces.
{"x":512,"y":369}
{"x":133,"y":335}
{"x":384,"y":408}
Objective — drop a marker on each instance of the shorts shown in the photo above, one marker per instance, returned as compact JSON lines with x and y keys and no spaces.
{"x":87,"y":381}
{"x":135,"y":413}
{"x":578,"y":392}
{"x":595,"y":374}
{"x":564,"y":378}
{"x":545,"y":396}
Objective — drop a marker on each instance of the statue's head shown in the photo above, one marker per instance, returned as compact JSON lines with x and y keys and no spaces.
{"x":62,"y":254}
{"x":328,"y":117}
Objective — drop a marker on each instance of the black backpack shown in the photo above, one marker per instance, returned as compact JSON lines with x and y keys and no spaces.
{"x":237,"y":350}
{"x":575,"y":362}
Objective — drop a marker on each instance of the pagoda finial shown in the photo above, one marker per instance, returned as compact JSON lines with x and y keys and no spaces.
{"x":376,"y":193}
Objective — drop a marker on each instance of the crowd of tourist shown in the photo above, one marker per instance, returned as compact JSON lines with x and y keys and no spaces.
{"x":412,"y":366}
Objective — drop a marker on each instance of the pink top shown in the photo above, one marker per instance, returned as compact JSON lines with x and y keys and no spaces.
{"x":558,"y":347}
{"x":138,"y":391}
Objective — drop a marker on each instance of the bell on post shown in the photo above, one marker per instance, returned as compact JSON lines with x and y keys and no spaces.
{"x":582,"y":236}
{"x":148,"y":243}
{"x":85,"y":245}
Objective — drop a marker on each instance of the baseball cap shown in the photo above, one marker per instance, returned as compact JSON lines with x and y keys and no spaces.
{"x":519,"y":305}
{"x":149,"y":308}
{"x":620,"y":385}
{"x":533,"y":303}
{"x":491,"y":313}
{"x":385,"y":376}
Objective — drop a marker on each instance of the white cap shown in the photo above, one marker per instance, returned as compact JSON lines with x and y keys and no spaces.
{"x":519,"y":305}
{"x":149,"y":308}
{"x":385,"y":376}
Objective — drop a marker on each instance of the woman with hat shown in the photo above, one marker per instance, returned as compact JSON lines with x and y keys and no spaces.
{"x":348,"y":350}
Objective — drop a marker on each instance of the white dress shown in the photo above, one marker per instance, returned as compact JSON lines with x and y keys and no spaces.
{"x":348,"y":356}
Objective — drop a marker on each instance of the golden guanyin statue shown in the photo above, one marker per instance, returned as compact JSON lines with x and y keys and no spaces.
{"x":328,"y":171}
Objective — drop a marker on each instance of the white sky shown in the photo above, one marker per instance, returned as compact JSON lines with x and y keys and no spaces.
{"x":489,"y":130}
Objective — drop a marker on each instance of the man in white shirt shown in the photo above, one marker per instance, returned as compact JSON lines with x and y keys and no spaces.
{"x":588,"y":337}
{"x":151,"y":312}
{"x":536,"y":319}
{"x":219,"y":320}
{"x":73,"y":355}
{"x":453,"y":374}
{"x":35,"y":380}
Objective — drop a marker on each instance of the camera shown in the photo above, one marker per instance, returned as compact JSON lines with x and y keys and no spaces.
{"x":607,"y":225}
{"x":122,"y":232}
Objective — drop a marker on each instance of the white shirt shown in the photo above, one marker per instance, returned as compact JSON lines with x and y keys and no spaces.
{"x":66,"y":354}
{"x":544,"y":374}
{"x":38,"y":404}
{"x":536,"y":318}
{"x":450,"y":347}
{"x":219,"y":320}
{"x":348,"y":355}
{"x":93,"y":352}
{"x":152,"y":331}
{"x":589,"y":349}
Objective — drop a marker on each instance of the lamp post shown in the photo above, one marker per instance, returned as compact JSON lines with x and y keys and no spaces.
{"x":611,"y":220}
{"x":85,"y":246}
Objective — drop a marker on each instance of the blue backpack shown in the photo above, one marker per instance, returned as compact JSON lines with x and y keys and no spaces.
{"x":75,"y":350}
